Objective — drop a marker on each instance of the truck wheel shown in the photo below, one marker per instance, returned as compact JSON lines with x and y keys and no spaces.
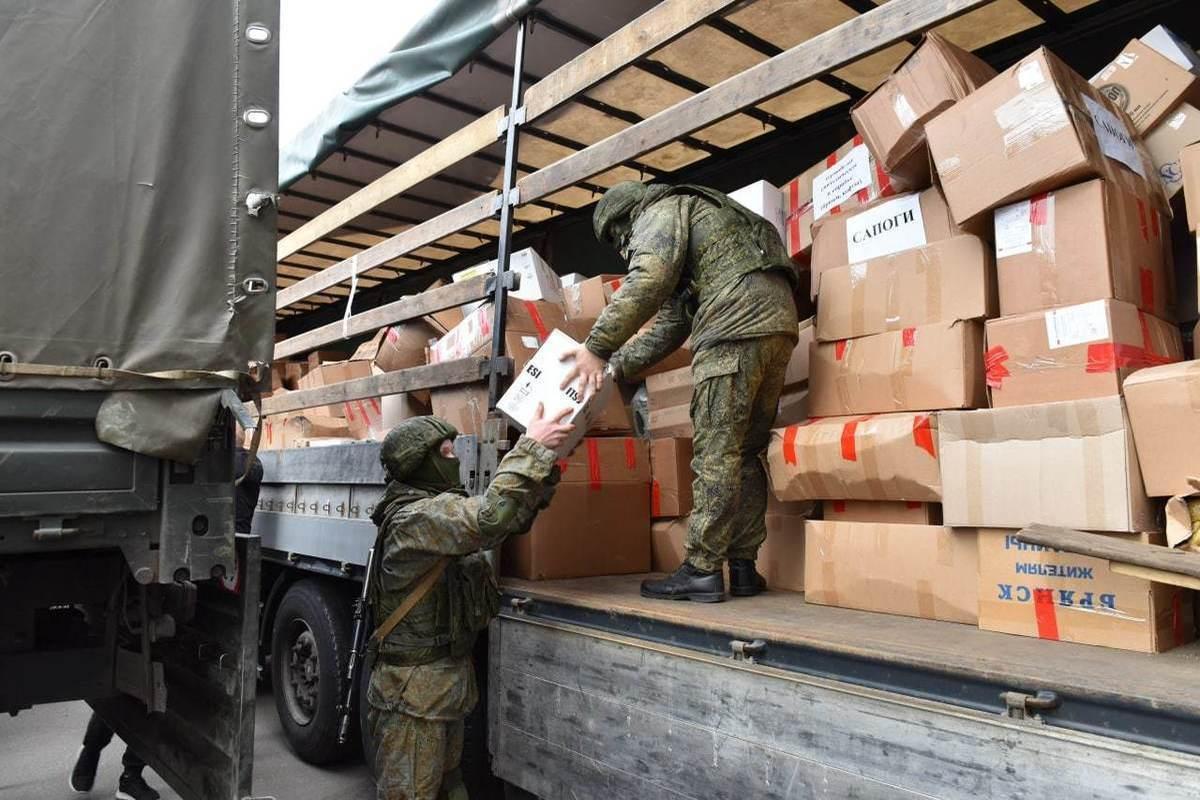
{"x":310,"y":644}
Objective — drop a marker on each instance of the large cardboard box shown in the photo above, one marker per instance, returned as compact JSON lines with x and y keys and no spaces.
{"x":668,"y":544}
{"x":330,"y":373}
{"x":1036,"y":127}
{"x":887,"y":457}
{"x":1071,"y":464}
{"x":1166,"y":143}
{"x":1146,"y":85}
{"x":1074,"y":352}
{"x":669,"y":398}
{"x":1030,"y":590}
{"x":1090,"y":241}
{"x":465,"y":406}
{"x":671,"y":477}
{"x":902,"y":223}
{"x":533,"y":320}
{"x":1164,"y":411}
{"x":925,"y":368}
{"x":781,"y":557}
{"x":892,"y":512}
{"x":942,"y":282}
{"x":922,"y":571}
{"x":403,"y":346}
{"x":892,"y":118}
{"x":586,"y":299}
{"x":285,"y":431}
{"x":764,"y":199}
{"x":847,"y":178}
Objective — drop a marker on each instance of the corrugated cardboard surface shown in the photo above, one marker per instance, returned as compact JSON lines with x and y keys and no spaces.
{"x":465,"y":407}
{"x":943,"y":282}
{"x":1164,"y":411}
{"x":531,"y":318}
{"x":586,"y":299}
{"x":1030,"y":130}
{"x":331,"y":373}
{"x":671,"y":477}
{"x":1166,"y":142}
{"x":669,"y":397}
{"x":929,"y":367}
{"x":888,"y":511}
{"x":1030,"y":590}
{"x":295,"y":430}
{"x":913,"y":570}
{"x":887,"y":457}
{"x":1071,"y":464}
{"x":599,"y":461}
{"x":931,"y":79}
{"x":1191,"y":185}
{"x":404,"y":345}
{"x":1090,"y":241}
{"x":668,"y":544}
{"x":1074,"y":352}
{"x":1145,"y":84}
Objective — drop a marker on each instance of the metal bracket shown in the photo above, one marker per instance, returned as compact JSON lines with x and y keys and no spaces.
{"x":51,"y":529}
{"x":748,"y":651}
{"x":518,"y":119}
{"x":1021,"y":706}
{"x":514,"y":199}
{"x":519,"y":604}
{"x":511,"y":280}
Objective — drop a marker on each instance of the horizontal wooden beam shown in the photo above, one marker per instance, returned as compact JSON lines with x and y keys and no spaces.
{"x":406,"y":308}
{"x":1114,"y":548}
{"x":464,"y":142}
{"x":658,"y":26}
{"x":449,"y":373}
{"x":450,"y":222}
{"x":811,"y":59}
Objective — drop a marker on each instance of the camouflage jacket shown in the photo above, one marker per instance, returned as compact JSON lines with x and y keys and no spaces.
{"x":697,"y":265}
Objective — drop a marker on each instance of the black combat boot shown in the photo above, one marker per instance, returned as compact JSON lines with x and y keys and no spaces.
{"x":687,"y":583}
{"x":133,"y":787}
{"x":83,"y":776}
{"x":744,"y":580}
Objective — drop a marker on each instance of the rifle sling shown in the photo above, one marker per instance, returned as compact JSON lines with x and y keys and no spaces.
{"x":415,"y":596}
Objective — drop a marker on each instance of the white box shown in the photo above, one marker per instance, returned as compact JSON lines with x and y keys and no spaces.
{"x":572,"y":278}
{"x":1168,"y":44}
{"x":765,"y":200}
{"x":541,"y":382}
{"x":538,"y":281}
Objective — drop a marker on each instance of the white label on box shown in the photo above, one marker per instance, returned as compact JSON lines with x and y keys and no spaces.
{"x":1014,"y":229}
{"x":1030,"y":75}
{"x":1115,"y":139}
{"x":1126,"y":60}
{"x":1067,"y":327}
{"x":885,"y":229}
{"x":904,"y":110}
{"x":842,"y":181}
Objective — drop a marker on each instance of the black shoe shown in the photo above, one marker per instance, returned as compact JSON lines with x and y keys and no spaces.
{"x":687,"y":583}
{"x":133,"y":787}
{"x":83,"y":776}
{"x":744,"y":580}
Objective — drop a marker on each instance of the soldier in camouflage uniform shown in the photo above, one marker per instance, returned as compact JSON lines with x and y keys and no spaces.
{"x":711,"y":269}
{"x":422,"y":681}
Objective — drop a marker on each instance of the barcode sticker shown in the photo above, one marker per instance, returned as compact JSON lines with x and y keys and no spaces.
{"x":1073,"y":325}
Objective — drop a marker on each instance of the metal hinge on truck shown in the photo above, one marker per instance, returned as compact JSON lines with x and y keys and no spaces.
{"x":1018,"y":705}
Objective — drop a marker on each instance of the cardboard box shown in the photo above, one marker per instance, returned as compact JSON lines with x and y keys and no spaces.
{"x":902,"y":223}
{"x":671,"y":477}
{"x":447,"y":319}
{"x":1074,"y":352}
{"x":892,"y":118}
{"x":331,"y":373}
{"x":924,"y":368}
{"x":1164,"y":412}
{"x":1035,"y":128}
{"x":922,"y":571}
{"x":668,"y":544}
{"x":1030,"y":590}
{"x":1071,"y":464}
{"x":846,"y":179}
{"x":285,"y":431}
{"x":1146,"y":85}
{"x":781,"y":557}
{"x":537,"y":280}
{"x":891,"y":512}
{"x":764,"y":199}
{"x":403,"y":346}
{"x":887,"y":457}
{"x":1166,"y":143}
{"x":1190,"y":160}
{"x":669,"y":399}
{"x":529,"y":319}
{"x":1168,"y":44}
{"x":1090,"y":241}
{"x":398,"y":407}
{"x":944,"y":281}
{"x":586,"y":299}
{"x":364,"y":418}
{"x":599,"y":461}
{"x":464,"y":406}
{"x":539,"y":383}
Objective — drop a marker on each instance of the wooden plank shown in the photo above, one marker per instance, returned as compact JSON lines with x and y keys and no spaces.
{"x":665,"y":22}
{"x":406,"y":308}
{"x":465,"y":141}
{"x":1114,"y":548}
{"x":450,"y":373}
{"x":445,"y":224}
{"x":1155,"y":575}
{"x":836,"y":48}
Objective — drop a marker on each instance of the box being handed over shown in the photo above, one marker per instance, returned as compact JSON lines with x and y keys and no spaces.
{"x":540,"y":383}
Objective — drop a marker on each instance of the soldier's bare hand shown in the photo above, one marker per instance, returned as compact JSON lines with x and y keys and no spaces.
{"x":587,"y":373}
{"x":549,"y":432}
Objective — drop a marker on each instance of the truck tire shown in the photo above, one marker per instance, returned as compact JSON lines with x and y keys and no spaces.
{"x":310,"y":645}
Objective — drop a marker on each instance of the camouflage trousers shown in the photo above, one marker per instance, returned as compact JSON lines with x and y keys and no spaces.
{"x":415,"y":758}
{"x":734,"y":402}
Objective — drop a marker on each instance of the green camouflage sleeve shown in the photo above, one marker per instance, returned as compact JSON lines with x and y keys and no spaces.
{"x":670,"y":330}
{"x":452,"y":525}
{"x":658,"y":251}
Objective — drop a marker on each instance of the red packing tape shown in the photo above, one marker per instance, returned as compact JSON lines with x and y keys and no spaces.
{"x":839,"y":348}
{"x":562,"y":466}
{"x":993,"y":365}
{"x":1146,"y":278}
{"x":1177,"y":626}
{"x":1142,"y":218}
{"x":839,"y":506}
{"x":789,"y":444}
{"x":909,"y":337}
{"x":830,"y":161}
{"x":536,"y":316}
{"x":913,"y":504}
{"x":923,"y":434}
{"x":1039,"y":209}
{"x":593,"y":453}
{"x":1154,"y":226}
{"x":1045,"y":613}
{"x":375,"y":404}
{"x":630,"y":455}
{"x":655,"y":499}
{"x":793,"y":217}
{"x":849,"y":447}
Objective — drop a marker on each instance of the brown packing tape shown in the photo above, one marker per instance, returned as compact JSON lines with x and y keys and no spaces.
{"x":1094,"y":496}
{"x":930,"y":268}
{"x":902,"y":369}
{"x":945,"y":548}
{"x":867,"y":451}
{"x":858,"y":296}
{"x":1044,"y":244}
{"x":926,"y":599}
{"x":846,"y":370}
{"x":831,"y":594}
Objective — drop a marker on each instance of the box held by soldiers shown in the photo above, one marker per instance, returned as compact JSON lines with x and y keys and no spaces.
{"x":1146,"y":85}
{"x":1090,"y":241}
{"x":537,"y":280}
{"x":465,"y":406}
{"x":1071,"y":464}
{"x":925,"y":571}
{"x":1030,"y":590}
{"x":539,"y":383}
{"x":941,"y":282}
{"x":586,"y":299}
{"x":1166,"y":143}
{"x":884,"y":457}
{"x":933,"y":77}
{"x":887,"y":511}
{"x":671,"y":477}
{"x":1035,"y":128}
{"x":764,"y":199}
{"x":1164,"y":412}
{"x":923,"y":368}
{"x":1074,"y":352}
{"x":902,"y":223}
